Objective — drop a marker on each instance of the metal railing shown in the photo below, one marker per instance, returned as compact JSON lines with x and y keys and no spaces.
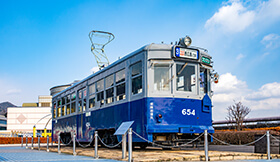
{"x":130,"y":132}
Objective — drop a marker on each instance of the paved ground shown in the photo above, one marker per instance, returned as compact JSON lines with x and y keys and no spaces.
{"x":152,"y":154}
{"x":17,"y":154}
{"x":233,"y":148}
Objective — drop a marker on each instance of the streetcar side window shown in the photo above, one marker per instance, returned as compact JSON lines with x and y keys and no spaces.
{"x":161,"y":77}
{"x":63,"y":107}
{"x":109,"y":89}
{"x":120,"y":85}
{"x":91,"y":91}
{"x":185,"y":79}
{"x":82,"y":100}
{"x":203,"y":88}
{"x":100,"y":92}
{"x":59,"y":108}
{"x":68,"y":104}
{"x":73,"y":102}
{"x":136,"y":78}
{"x":54,"y":109}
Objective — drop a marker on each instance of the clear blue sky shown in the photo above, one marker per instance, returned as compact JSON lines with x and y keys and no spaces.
{"x":45,"y":43}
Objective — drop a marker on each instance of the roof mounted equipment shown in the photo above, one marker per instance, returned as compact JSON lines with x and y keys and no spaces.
{"x":99,"y":39}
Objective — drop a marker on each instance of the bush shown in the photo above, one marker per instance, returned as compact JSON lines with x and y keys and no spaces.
{"x":17,"y":140}
{"x":238,"y":137}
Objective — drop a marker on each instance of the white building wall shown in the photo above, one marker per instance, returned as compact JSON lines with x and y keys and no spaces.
{"x":24,"y":118}
{"x":45,"y":99}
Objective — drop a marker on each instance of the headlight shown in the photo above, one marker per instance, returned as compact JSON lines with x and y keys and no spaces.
{"x":186,"y":41}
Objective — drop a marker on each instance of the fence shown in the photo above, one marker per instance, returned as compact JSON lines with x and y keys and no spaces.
{"x":96,"y":138}
{"x":17,"y":140}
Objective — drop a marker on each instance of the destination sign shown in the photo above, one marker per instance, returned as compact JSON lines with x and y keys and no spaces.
{"x":205,"y":60}
{"x":186,"y":53}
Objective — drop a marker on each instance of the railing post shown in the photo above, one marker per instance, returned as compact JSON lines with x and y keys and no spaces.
{"x":22,"y":141}
{"x":39,"y":143}
{"x":130,"y":145}
{"x":124,"y":146}
{"x":48,"y":143}
{"x":26,"y":141}
{"x":32,"y":141}
{"x":96,"y":145}
{"x":74,"y":144}
{"x":268,"y":145}
{"x":58,"y":142}
{"x":206,"y":144}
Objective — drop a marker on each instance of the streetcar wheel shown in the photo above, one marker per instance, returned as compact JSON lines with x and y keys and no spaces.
{"x":143,"y":146}
{"x":166,"y":148}
{"x":66,"y":138}
{"x":105,"y":139}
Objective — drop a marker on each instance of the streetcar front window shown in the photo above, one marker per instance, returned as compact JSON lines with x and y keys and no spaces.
{"x":185,"y":80}
{"x":161,"y":77}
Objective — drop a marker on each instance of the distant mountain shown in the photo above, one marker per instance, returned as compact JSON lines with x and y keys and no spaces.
{"x":4,"y":106}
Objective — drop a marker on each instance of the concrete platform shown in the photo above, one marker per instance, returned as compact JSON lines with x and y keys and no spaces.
{"x":20,"y":154}
{"x":152,"y":154}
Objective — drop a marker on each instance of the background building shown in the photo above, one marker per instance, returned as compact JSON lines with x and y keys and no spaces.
{"x":45,"y":101}
{"x":3,"y":122}
{"x":20,"y":120}
{"x":56,"y":89}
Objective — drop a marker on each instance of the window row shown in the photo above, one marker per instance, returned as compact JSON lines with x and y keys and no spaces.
{"x":105,"y":91}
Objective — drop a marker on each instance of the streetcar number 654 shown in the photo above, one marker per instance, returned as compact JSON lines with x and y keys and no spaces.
{"x":188,"y":112}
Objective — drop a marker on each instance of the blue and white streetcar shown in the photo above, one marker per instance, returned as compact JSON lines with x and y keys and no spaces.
{"x":165,"y":89}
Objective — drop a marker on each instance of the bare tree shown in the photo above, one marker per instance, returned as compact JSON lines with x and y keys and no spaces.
{"x":237,"y":113}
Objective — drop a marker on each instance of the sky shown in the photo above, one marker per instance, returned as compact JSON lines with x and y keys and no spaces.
{"x":46,"y":43}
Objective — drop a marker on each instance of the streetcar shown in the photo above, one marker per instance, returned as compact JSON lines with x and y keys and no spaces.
{"x":164,"y":88}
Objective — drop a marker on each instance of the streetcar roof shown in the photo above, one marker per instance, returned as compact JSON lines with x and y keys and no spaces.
{"x":149,"y":47}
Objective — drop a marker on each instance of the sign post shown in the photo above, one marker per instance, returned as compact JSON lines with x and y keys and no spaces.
{"x":48,"y":143}
{"x":58,"y":144}
{"x":122,"y":130}
{"x":124,"y":146}
{"x":96,"y":145}
{"x":130,"y":145}
{"x":206,"y":144}
{"x":74,"y":144}
{"x":268,"y":145}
